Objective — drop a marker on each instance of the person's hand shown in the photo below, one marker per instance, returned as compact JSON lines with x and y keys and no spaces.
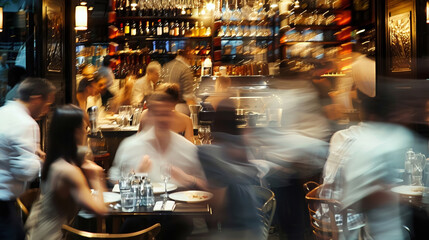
{"x":41,"y":154}
{"x":145,"y":164}
{"x":91,"y":170}
{"x":181,"y":177}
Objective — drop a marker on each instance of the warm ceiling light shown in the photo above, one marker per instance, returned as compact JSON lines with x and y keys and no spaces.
{"x":81,"y":18}
{"x":210,"y":6}
{"x":427,"y":12}
{"x":1,"y":19}
{"x":133,"y":3}
{"x":83,"y":3}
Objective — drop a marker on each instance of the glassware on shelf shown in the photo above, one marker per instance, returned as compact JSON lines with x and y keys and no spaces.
{"x":227,"y":14}
{"x":245,"y":11}
{"x":236,"y":14}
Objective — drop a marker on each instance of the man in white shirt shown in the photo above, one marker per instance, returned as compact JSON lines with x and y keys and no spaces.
{"x":144,"y":86}
{"x":20,"y":154}
{"x":147,"y":151}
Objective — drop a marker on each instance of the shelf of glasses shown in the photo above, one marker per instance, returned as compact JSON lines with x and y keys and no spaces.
{"x":160,"y":38}
{"x":247,"y":38}
{"x":312,"y":27}
{"x":138,"y":18}
{"x":313,"y":42}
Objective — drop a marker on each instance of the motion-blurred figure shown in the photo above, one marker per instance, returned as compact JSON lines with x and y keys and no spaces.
{"x":144,"y":86}
{"x":181,"y":123}
{"x":65,"y":178}
{"x":20,"y":154}
{"x":179,"y":71}
{"x":231,"y":176}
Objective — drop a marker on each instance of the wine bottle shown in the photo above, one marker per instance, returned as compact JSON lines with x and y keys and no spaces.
{"x":165,"y":30}
{"x":171,"y":29}
{"x":202,"y":30}
{"x":176,"y":29}
{"x":159,"y":28}
{"x":147,"y":30}
{"x":121,"y":30}
{"x":141,"y":30}
{"x":188,"y":32}
{"x":134,"y":29}
{"x":153,"y":30}
{"x":127,"y":28}
{"x":182,"y":29}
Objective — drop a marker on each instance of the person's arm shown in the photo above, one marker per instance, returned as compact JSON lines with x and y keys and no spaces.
{"x":24,"y":162}
{"x":186,"y":179}
{"x":80,"y":190}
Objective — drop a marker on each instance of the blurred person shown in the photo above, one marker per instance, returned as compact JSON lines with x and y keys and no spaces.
{"x":85,"y":71}
{"x":145,"y":85}
{"x":20,"y":154}
{"x":106,"y":72}
{"x":88,"y":94}
{"x":179,"y":71}
{"x":66,"y":178}
{"x":181,"y":123}
{"x":148,"y":151}
{"x":123,"y":97}
{"x":370,"y":152}
{"x":222,"y":85}
{"x":15,"y":76}
{"x":231,"y":177}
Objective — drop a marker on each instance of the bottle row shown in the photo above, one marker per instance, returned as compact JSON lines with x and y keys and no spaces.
{"x":159,"y":28}
{"x":157,"y":8}
{"x":317,"y":18}
{"x":245,"y":31}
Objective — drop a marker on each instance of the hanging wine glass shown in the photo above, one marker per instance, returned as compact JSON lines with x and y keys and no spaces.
{"x":228,"y":13}
{"x":262,"y":13}
{"x":253,"y":16}
{"x":236,"y":14}
{"x":245,"y":11}
{"x":218,"y":10}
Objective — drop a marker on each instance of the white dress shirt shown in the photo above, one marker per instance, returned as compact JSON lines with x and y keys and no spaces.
{"x":19,"y":140}
{"x":180,"y":153}
{"x":142,"y":87}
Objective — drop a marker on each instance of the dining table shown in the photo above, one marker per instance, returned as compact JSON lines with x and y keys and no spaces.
{"x":200,"y":209}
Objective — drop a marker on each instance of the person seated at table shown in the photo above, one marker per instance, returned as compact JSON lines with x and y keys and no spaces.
{"x":146,"y":151}
{"x":181,"y":123}
{"x":67,"y":179}
{"x":221,"y":92}
{"x":145,"y":85}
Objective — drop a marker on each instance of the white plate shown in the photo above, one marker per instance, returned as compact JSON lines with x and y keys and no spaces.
{"x":110,"y":197}
{"x":191,"y":196}
{"x":409,"y":190}
{"x":159,"y":187}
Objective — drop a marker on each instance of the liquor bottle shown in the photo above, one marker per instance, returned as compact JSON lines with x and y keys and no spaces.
{"x":147,"y":30}
{"x":202,"y":30}
{"x":141,"y":30}
{"x":133,"y":11}
{"x":134,"y":29}
{"x":176,"y":29}
{"x":171,"y":29}
{"x":127,"y":28}
{"x":208,"y":32}
{"x":188,"y":10}
{"x":119,"y":8}
{"x":141,"y":8}
{"x":121,"y":30}
{"x":208,"y":49}
{"x":165,"y":30}
{"x":188,"y":31}
{"x":159,"y":28}
{"x":196,"y":32}
{"x":153,"y":30}
{"x":127,"y":8}
{"x":182,"y":29}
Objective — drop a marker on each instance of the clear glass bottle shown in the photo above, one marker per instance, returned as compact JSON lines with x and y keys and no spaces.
{"x":148,"y":199}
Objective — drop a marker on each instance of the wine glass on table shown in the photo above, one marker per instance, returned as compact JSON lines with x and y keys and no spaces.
{"x":165,"y":176}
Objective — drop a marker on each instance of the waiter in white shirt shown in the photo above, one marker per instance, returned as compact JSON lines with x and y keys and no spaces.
{"x":20,"y":154}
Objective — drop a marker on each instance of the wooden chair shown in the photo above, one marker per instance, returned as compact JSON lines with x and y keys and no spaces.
{"x":26,"y":200}
{"x":326,"y":230}
{"x":266,"y":211}
{"x":144,"y":234}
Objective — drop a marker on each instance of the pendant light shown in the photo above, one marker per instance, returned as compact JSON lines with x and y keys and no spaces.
{"x":1,"y":19}
{"x":81,"y":16}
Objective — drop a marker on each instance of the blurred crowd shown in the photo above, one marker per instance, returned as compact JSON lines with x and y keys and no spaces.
{"x":355,"y":156}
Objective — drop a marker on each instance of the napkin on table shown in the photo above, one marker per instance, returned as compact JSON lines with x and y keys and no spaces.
{"x":168,"y":206}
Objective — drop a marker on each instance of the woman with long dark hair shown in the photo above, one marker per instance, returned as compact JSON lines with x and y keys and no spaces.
{"x":65,"y":178}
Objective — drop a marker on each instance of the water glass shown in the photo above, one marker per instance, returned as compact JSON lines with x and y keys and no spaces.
{"x":128,"y":201}
{"x":165,"y":175}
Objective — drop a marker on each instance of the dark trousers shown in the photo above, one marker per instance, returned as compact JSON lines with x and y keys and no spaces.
{"x":291,"y":211}
{"x":10,"y":223}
